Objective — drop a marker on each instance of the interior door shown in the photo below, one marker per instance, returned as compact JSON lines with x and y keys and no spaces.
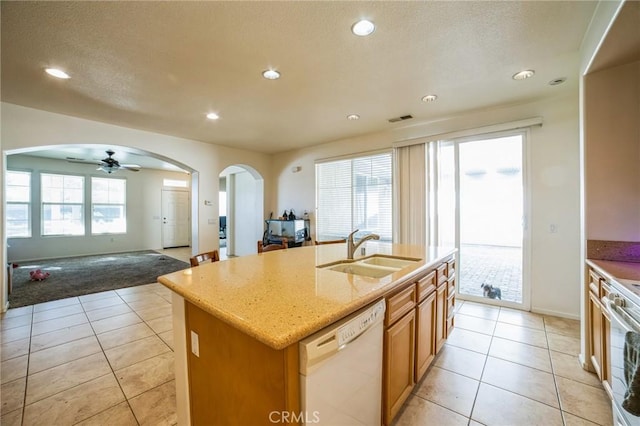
{"x":175,"y":218}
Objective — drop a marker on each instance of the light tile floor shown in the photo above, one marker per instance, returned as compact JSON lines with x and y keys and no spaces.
{"x":506,"y":367}
{"x":99,"y":359}
{"x":107,"y":359}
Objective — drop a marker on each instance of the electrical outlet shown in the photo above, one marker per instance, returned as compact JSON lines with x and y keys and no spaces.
{"x":195,"y":344}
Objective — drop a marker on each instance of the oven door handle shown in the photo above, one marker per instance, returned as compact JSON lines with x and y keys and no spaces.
{"x":628,"y":324}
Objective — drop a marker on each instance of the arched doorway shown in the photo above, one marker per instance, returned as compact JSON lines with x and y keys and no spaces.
{"x":142,"y":208}
{"x":242,"y":192}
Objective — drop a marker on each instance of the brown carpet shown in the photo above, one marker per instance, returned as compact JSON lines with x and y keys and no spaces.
{"x":77,"y":276}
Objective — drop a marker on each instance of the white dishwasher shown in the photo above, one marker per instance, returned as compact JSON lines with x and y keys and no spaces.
{"x":341,"y":370}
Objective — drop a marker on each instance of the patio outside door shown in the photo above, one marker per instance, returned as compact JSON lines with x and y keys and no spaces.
{"x":485,"y":176}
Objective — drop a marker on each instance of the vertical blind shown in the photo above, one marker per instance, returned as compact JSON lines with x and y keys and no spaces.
{"x":411,"y":186}
{"x":354,"y":193}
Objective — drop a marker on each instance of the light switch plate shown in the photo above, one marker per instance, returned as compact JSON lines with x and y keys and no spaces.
{"x":195,"y":344}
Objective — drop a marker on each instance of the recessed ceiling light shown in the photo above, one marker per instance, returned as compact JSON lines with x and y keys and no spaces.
{"x":213,"y":116}
{"x":363,"y":28}
{"x":522,"y":75}
{"x":429,"y":98}
{"x":271,"y":74}
{"x":557,"y":81}
{"x":353,"y":117}
{"x":57,"y":73}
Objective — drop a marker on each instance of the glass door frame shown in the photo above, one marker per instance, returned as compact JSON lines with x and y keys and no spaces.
{"x":526,"y":210}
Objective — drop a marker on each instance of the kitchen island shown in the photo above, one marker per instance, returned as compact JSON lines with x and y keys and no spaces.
{"x":237,"y":323}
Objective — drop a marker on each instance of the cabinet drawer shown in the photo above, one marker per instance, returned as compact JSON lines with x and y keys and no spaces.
{"x":451,"y":286}
{"x":427,"y":285}
{"x":594,"y":282}
{"x":451,"y":305}
{"x":450,"y":325}
{"x":441,"y":272}
{"x":400,"y":303}
{"x":451,"y":268}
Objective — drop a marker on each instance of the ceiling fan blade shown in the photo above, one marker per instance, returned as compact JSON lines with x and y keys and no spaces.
{"x":130,"y":167}
{"x":78,"y":160}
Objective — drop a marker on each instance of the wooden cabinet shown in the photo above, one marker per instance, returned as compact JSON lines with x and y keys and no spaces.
{"x":425,"y":324}
{"x":441,"y":316}
{"x":399,"y":341}
{"x":595,"y":338}
{"x":400,"y":304}
{"x":599,"y":326}
{"x":425,"y":334}
{"x":451,"y":296}
{"x":417,"y":319}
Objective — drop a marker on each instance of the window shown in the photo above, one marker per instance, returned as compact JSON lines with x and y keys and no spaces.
{"x":354,"y":194}
{"x":108,"y":206}
{"x":62,"y":204}
{"x":175,"y":182}
{"x":18,"y":215}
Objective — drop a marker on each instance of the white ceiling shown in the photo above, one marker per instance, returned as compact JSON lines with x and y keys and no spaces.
{"x":161,"y":66}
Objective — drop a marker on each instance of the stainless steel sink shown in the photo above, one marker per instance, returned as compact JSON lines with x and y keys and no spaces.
{"x":376,"y":266}
{"x":357,"y":268}
{"x":393,"y":262}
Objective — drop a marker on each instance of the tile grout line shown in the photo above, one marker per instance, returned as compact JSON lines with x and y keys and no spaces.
{"x":115,"y":376}
{"x":553,"y":374}
{"x":29,"y":360}
{"x":94,"y":334}
{"x":26,"y":379}
{"x":484,"y":366}
{"x":127,"y":399}
{"x":559,"y":408}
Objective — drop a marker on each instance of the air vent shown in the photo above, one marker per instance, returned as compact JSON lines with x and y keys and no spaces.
{"x":404,"y":117}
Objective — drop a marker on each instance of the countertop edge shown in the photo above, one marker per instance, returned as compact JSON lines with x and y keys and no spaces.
{"x":603,"y":267}
{"x":281,"y":342}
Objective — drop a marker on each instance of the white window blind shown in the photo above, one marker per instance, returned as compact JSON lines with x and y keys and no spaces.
{"x":354,"y":193}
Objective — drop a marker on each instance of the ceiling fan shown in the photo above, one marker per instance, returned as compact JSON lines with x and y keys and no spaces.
{"x":107,"y":165}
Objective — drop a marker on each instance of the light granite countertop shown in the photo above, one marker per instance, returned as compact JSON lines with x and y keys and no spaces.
{"x":280,"y":297}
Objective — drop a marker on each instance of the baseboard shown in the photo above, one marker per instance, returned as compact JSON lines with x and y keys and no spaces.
{"x":81,"y":255}
{"x":555,"y":313}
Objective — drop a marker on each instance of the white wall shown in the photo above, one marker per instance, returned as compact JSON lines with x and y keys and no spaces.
{"x":555,"y":184}
{"x":143,"y":212}
{"x":612,"y":153}
{"x":245,"y":232}
{"x":25,"y":128}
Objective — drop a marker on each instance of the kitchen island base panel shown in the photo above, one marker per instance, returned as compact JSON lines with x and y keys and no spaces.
{"x":182,"y":372}
{"x":237,"y":379}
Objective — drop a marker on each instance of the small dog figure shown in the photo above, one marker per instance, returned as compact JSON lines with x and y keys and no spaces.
{"x":38,"y":275}
{"x":490,"y":292}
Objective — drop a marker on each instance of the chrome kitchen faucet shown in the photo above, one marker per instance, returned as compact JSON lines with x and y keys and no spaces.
{"x":351,"y":247}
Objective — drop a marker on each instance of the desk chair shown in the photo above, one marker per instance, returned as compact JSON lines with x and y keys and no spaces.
{"x":203,"y":257}
{"x":319,"y":243}
{"x":270,"y":247}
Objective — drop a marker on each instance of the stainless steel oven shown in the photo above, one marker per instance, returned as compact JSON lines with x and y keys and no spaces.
{"x":625,"y":318}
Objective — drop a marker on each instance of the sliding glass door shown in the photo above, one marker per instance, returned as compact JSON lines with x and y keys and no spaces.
{"x":484,"y":178}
